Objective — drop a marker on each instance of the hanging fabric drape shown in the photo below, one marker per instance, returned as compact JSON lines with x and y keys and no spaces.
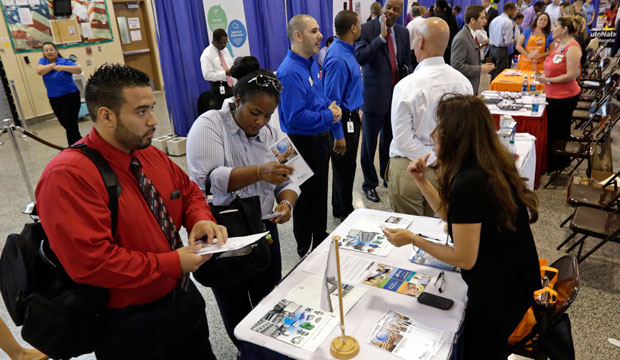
{"x":182,"y":38}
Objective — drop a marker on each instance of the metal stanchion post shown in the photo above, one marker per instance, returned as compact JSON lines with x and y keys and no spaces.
{"x":19,"y":108}
{"x":10,"y":128}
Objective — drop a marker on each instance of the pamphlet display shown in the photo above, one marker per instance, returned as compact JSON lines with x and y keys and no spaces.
{"x":398,"y":280}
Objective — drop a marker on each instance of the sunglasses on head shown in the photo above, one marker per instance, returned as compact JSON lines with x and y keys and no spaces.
{"x":266,"y":81}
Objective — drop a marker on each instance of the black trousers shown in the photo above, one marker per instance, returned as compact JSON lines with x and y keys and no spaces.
{"x":372,"y":125}
{"x":66,"y":108}
{"x":500,"y":58}
{"x":343,"y":166}
{"x":217,"y":95}
{"x":559,"y":115}
{"x":173,"y":327}
{"x":310,"y":213}
{"x":235,"y":302}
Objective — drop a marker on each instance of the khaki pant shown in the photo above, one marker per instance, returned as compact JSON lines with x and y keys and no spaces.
{"x":405,"y":196}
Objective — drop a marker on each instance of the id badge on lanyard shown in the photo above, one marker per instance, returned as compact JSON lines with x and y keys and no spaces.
{"x":557,"y":58}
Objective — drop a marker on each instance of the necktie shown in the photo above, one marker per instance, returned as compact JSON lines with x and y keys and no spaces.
{"x":158,"y":208}
{"x":392,"y":54}
{"x":229,"y":79}
{"x":476,"y":40}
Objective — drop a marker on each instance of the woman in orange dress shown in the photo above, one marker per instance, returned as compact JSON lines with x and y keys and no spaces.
{"x":535,"y":44}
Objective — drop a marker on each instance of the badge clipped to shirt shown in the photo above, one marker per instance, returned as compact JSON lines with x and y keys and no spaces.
{"x":222,"y":90}
{"x":558,"y":58}
{"x":350,"y":128}
{"x":310,"y":81}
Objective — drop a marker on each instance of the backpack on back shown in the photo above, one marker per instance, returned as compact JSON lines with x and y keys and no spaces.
{"x":59,"y":316}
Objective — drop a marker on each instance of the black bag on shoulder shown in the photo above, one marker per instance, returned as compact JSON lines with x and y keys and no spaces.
{"x":59,"y":316}
{"x":242,"y":217}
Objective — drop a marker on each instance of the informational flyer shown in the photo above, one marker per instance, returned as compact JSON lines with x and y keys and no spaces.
{"x":352,"y":268}
{"x":286,"y":153}
{"x":431,"y":229}
{"x":402,"y":281}
{"x":309,"y":293}
{"x":295,"y":324}
{"x":405,"y":337}
{"x":233,"y":243}
{"x":367,"y":242}
{"x":421,"y":257}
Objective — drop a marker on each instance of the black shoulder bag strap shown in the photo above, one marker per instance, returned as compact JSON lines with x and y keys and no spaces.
{"x":109,"y":179}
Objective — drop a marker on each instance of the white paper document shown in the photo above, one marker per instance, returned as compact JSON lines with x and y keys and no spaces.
{"x":136,"y":35}
{"x":352,"y":268}
{"x":296,"y":324}
{"x":133,"y":22}
{"x":286,"y":153}
{"x":405,"y":337}
{"x":21,"y":2}
{"x":25,"y":18}
{"x":9,"y":2}
{"x":34,"y":2}
{"x":87,"y":31}
{"x":431,"y":229}
{"x":308,"y":293}
{"x":233,"y":243}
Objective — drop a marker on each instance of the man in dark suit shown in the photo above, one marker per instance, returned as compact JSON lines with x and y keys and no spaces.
{"x":384,"y":52}
{"x":465,"y":55}
{"x":490,"y":11}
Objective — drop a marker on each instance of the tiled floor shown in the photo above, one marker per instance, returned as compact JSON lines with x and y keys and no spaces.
{"x":594,"y":315}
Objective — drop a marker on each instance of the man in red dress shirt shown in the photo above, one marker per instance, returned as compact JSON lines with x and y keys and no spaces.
{"x":149,"y":316}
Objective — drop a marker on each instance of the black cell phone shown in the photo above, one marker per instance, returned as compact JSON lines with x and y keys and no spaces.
{"x":435,"y":301}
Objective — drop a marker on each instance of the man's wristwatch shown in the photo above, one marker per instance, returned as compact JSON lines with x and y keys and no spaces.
{"x":287,"y":203}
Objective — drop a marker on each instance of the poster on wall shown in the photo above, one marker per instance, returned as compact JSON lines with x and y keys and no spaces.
{"x":230,"y":16}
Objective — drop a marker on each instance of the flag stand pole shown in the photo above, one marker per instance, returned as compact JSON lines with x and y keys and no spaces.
{"x":342,"y":347}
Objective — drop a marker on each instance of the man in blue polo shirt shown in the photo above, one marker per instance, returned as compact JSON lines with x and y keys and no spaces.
{"x":307,"y":116}
{"x":343,"y":84}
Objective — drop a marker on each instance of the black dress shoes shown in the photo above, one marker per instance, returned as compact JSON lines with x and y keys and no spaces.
{"x":372,"y":195}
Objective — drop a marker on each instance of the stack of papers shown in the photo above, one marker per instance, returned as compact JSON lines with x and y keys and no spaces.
{"x":405,"y":337}
{"x":309,"y":292}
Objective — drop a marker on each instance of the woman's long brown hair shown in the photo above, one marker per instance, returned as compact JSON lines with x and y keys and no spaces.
{"x":466,"y":132}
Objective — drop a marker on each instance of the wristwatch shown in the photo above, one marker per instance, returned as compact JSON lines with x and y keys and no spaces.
{"x":548,"y":81}
{"x":287,"y":203}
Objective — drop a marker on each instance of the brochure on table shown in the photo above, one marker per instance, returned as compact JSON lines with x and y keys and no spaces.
{"x":296,"y":324}
{"x":405,"y":337}
{"x":402,"y":281}
{"x":309,"y":293}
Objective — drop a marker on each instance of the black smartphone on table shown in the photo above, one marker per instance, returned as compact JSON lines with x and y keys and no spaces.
{"x":435,"y":301}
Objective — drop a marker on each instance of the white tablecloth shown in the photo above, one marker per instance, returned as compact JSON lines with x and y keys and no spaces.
{"x":363,"y":316}
{"x":526,"y":162}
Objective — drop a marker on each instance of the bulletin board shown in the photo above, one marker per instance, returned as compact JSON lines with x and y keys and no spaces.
{"x":32,"y":22}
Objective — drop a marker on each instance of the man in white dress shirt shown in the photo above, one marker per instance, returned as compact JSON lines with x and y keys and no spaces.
{"x":413,"y":115}
{"x":215,"y":63}
{"x":501,"y":37}
{"x":554,"y":11}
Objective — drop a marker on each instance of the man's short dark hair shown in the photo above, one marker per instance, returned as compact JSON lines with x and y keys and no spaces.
{"x":518,"y":16}
{"x":509,"y":6}
{"x":457,"y":8}
{"x":416,"y":11}
{"x":538,"y":6}
{"x":343,"y":22}
{"x":473,"y":12}
{"x":442,"y":5}
{"x":218,"y":34}
{"x":106,"y":84}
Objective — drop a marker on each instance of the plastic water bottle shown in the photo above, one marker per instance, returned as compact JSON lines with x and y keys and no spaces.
{"x":533,"y":84}
{"x":512,"y":148}
{"x":535,"y":102}
{"x":593,"y":107}
{"x":525,"y":86}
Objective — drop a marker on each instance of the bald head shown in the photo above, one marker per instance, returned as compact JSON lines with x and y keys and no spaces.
{"x":298,"y":23}
{"x":431,"y":39}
